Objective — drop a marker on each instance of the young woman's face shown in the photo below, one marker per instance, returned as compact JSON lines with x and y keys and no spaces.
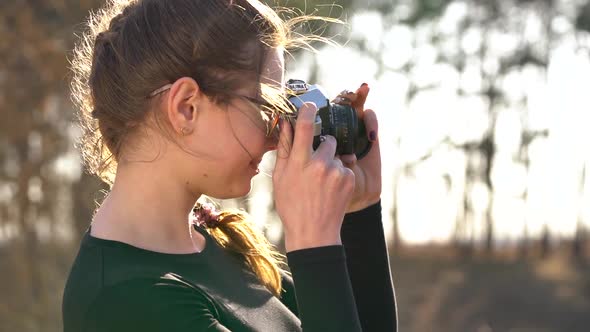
{"x":233,"y":139}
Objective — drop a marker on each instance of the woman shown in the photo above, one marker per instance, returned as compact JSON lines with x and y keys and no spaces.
{"x":180,"y":100}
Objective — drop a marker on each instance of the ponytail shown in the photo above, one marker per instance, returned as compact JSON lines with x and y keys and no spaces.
{"x":235,"y":231}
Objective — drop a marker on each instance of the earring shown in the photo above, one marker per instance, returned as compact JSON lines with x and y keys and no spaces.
{"x":185,"y":131}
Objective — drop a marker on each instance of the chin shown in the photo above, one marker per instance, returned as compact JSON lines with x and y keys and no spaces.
{"x":238,"y":191}
{"x":247,"y":188}
{"x":239,"y":187}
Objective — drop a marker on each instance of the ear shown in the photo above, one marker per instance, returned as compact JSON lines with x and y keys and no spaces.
{"x":183,"y":101}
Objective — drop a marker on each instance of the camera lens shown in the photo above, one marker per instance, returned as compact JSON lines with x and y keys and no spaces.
{"x":342,"y":122}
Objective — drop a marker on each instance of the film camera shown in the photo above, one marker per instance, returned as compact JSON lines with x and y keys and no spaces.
{"x":338,"y":120}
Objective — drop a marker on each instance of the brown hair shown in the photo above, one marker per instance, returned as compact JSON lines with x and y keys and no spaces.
{"x":132,"y":47}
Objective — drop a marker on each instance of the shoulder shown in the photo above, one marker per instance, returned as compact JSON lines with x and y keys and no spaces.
{"x":158,"y":304}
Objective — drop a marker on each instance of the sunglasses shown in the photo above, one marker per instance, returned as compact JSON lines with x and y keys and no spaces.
{"x":265,"y":107}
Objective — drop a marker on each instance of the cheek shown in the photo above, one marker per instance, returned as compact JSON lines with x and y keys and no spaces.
{"x":248,"y":136}
{"x":215,"y":138}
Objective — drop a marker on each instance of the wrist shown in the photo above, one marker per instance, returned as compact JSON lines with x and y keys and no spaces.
{"x":358,"y":206}
{"x":297,"y":242}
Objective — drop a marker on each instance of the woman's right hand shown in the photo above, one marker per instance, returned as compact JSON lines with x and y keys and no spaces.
{"x":311,"y":188}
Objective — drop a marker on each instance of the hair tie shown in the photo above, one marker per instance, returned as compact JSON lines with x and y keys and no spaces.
{"x":206,"y":214}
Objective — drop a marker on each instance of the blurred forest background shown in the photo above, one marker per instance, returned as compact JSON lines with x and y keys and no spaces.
{"x":483,"y":109}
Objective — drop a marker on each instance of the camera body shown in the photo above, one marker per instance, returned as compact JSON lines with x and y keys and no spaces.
{"x":340,"y":121}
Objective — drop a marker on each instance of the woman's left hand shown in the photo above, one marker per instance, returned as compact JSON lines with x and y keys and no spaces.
{"x":367,"y":171}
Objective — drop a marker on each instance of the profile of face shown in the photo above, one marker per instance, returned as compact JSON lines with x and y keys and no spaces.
{"x":221,"y":145}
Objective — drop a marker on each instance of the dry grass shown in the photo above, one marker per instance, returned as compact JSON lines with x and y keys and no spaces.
{"x":439,"y":289}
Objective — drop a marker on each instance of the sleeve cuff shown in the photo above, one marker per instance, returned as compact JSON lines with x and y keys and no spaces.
{"x":316,"y":255}
{"x":365,"y":214}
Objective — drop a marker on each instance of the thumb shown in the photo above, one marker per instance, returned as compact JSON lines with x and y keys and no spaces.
{"x":371,"y":124}
{"x":349,"y":160}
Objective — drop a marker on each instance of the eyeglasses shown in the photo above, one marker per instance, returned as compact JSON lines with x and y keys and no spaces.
{"x":265,"y":107}
{"x":272,"y":117}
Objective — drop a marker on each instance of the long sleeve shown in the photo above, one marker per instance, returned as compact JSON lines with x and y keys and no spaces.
{"x":369,"y":270}
{"x":324,"y":295}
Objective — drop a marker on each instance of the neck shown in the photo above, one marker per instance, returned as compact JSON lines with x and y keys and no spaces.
{"x":147,"y":209}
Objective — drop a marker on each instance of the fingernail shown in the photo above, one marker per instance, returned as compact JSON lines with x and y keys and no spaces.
{"x":372,"y":135}
{"x":364,"y":84}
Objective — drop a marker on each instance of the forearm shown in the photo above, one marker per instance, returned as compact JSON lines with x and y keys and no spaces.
{"x":369,"y":269}
{"x":324,"y":295}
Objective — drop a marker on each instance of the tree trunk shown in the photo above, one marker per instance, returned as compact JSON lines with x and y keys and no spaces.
{"x":30,"y":252}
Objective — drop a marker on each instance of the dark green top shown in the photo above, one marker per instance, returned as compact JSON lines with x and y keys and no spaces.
{"x":114,"y":286}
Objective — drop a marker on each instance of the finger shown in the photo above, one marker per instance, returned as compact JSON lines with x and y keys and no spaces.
{"x":345,"y":97}
{"x":302,"y":148}
{"x":359,"y":103}
{"x":284,"y":145}
{"x":371,"y":124}
{"x":346,"y":171}
{"x":338,"y":162}
{"x":326,"y":150}
{"x":349,"y":160}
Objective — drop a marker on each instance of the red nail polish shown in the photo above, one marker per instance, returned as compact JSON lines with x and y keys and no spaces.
{"x":364,"y":84}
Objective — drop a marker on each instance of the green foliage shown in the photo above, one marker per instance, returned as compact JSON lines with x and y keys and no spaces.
{"x":583,"y":18}
{"x":424,"y":10}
